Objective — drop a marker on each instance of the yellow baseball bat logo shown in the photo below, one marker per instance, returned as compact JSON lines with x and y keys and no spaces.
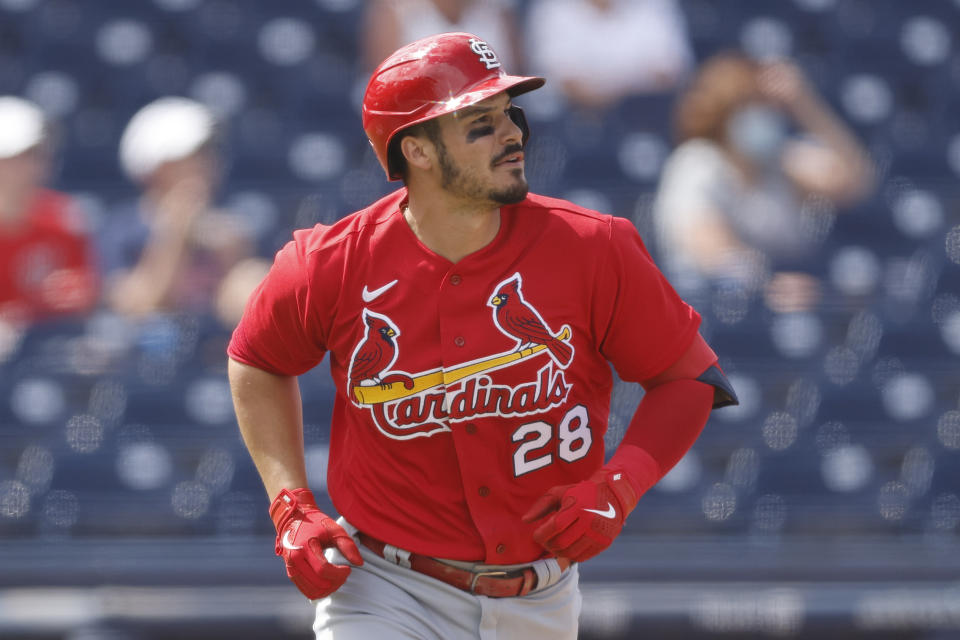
{"x":378,"y":394}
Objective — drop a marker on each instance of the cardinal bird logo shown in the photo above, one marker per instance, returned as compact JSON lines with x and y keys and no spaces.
{"x":423,"y":403}
{"x":516,"y":318}
{"x":377,"y":352}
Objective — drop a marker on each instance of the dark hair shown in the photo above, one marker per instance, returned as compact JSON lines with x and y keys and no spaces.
{"x":722,"y":84}
{"x":396,"y":163}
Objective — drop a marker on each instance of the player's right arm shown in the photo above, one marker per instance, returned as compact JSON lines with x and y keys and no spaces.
{"x":269,"y":414}
{"x":275,"y":341}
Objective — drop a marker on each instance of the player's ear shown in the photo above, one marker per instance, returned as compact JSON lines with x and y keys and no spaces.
{"x":418,"y":151}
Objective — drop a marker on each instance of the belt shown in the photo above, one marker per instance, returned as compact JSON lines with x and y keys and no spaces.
{"x":495,"y":584}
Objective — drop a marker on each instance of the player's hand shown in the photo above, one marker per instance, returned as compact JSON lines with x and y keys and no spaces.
{"x":578,"y":521}
{"x":303,"y":532}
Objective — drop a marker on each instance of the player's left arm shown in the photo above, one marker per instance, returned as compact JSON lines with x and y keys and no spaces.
{"x":580,"y":520}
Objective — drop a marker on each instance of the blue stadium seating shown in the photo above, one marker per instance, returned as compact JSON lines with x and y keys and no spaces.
{"x":164,"y":375}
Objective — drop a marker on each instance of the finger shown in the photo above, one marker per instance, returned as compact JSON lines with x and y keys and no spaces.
{"x":543,"y":506}
{"x":551,"y":528}
{"x":335,"y":574}
{"x":548,"y":502}
{"x":564,"y":538}
{"x":318,"y":565}
{"x":545,"y":531}
{"x":338,"y":536}
{"x":582,"y":549}
{"x":348,"y":548}
{"x":320,"y":585}
{"x":306,"y":587}
{"x":571,"y":524}
{"x":312,"y":576}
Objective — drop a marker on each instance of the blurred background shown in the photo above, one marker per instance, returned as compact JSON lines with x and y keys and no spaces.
{"x":792,"y":165}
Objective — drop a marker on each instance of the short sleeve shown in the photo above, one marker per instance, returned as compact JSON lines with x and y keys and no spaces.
{"x":642,"y":323}
{"x":281,"y":331}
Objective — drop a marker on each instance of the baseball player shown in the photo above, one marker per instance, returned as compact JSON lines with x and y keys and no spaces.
{"x":470,"y":328}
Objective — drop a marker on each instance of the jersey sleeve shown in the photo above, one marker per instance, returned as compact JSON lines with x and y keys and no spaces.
{"x":642,"y":323}
{"x":281,"y":330}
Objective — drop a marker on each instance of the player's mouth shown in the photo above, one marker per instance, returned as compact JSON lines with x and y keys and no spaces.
{"x":512,"y":160}
{"x":511,"y":157}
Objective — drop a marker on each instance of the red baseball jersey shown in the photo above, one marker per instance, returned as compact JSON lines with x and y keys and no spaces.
{"x":47,"y":265}
{"x":465,"y":391}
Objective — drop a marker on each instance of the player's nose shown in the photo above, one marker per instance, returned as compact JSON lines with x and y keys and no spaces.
{"x":510,"y":132}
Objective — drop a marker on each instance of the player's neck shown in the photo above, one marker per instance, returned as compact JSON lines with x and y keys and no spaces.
{"x":451,"y":231}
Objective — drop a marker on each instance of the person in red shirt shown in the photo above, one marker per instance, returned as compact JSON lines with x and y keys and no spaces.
{"x":470,"y":327}
{"x":47,"y":263}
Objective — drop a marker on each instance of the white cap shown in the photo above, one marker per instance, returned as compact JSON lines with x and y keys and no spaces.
{"x":22,"y":126}
{"x":167,"y":129}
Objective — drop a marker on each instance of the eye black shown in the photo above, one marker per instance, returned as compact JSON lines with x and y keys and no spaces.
{"x":479,"y":133}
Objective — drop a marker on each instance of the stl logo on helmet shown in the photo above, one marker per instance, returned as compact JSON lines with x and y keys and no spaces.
{"x":484,"y":52}
{"x":409,"y":405}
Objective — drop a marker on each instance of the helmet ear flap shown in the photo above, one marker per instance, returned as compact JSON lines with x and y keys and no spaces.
{"x":520,"y":119}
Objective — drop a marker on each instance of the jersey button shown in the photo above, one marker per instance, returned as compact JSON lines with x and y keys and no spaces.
{"x":470,"y":428}
{"x":455,"y":280}
{"x":501,"y":548}
{"x":459,"y":341}
{"x":483,"y":491}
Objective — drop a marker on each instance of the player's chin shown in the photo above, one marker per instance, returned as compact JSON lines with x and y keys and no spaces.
{"x":509,"y":172}
{"x":511,"y":194}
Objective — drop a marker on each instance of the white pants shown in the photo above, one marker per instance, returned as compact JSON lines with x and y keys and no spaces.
{"x":382,"y":600}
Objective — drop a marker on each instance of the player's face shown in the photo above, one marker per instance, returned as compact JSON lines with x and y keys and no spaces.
{"x":480,"y":153}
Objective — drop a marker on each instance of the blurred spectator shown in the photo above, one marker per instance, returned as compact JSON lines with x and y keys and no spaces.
{"x":171,"y":250}
{"x":46,"y":259}
{"x":741,"y":198}
{"x":392,"y":23}
{"x":600,"y":51}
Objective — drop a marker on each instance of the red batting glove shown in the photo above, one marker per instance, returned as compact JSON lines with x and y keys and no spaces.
{"x":303,"y":532}
{"x":581,"y":520}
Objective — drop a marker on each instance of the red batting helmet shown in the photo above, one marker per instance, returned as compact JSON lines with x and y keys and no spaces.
{"x":428,"y":78}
